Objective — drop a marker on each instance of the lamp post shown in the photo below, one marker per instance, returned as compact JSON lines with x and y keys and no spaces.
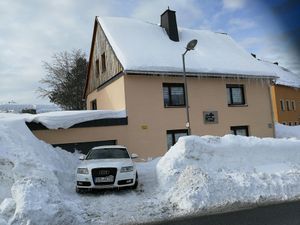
{"x":190,"y":46}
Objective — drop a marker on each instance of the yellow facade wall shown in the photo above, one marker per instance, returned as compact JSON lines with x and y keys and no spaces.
{"x":111,"y":96}
{"x":285,"y":93}
{"x":148,"y":119}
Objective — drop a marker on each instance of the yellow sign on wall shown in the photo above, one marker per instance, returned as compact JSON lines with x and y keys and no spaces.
{"x":144,"y":127}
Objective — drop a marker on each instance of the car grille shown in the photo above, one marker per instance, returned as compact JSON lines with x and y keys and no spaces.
{"x":104,"y":172}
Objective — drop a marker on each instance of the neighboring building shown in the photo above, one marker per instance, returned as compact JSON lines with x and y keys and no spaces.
{"x":137,"y":66}
{"x":285,"y":95}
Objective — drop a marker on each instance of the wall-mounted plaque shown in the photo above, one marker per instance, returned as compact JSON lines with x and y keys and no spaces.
{"x":210,"y":117}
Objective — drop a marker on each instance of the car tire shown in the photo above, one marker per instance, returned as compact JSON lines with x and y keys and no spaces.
{"x":136,"y":181}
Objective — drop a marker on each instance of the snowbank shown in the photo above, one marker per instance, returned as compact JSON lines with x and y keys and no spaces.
{"x":206,"y":173}
{"x":284,"y":131}
{"x":38,"y":185}
{"x":35,"y":178}
{"x":197,"y":174}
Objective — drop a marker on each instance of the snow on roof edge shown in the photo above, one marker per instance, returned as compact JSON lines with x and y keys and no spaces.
{"x":201,"y":74}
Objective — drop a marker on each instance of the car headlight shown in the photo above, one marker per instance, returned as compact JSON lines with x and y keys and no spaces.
{"x":126,"y":169}
{"x":82,"y":171}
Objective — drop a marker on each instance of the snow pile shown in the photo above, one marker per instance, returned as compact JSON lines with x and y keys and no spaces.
{"x":66,"y":119}
{"x":215,"y":52}
{"x":284,"y":131}
{"x":35,"y":178}
{"x":207,"y":173}
{"x":198,"y":174}
{"x":38,"y":185}
{"x":17,"y":108}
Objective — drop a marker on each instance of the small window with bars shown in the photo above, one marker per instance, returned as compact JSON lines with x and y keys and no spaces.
{"x":174,"y":135}
{"x":240,"y":130}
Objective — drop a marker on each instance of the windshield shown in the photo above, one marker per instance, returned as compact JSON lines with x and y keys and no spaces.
{"x":108,"y":153}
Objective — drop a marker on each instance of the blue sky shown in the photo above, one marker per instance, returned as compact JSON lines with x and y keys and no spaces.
{"x":32,"y":31}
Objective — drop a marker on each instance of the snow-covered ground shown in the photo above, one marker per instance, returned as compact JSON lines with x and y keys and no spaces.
{"x":197,"y":175}
{"x":284,"y":131}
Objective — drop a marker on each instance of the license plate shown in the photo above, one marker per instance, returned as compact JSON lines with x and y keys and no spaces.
{"x":107,"y":179}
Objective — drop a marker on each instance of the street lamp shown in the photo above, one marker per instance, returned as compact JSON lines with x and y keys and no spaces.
{"x":190,"y":46}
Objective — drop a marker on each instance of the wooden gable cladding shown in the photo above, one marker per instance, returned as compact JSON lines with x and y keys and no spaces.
{"x":100,"y":47}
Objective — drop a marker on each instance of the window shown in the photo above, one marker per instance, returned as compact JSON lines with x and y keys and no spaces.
{"x":288,"y":107}
{"x":284,"y":123}
{"x":235,"y":94}
{"x":174,"y":135}
{"x":293,"y":105}
{"x":173,"y":94}
{"x":282,"y":105}
{"x":290,"y":123}
{"x":103,"y":62}
{"x":94,"y":104}
{"x":97,"y":68}
{"x":240,"y":130}
{"x":296,"y":123}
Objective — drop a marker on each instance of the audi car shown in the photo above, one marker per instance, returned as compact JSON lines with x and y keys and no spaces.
{"x":106,"y":167}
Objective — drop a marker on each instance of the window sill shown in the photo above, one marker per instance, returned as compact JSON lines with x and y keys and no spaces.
{"x":245,"y":105}
{"x":175,"y":106}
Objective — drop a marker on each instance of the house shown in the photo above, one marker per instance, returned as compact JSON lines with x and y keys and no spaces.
{"x":285,"y":95}
{"x":135,"y":65}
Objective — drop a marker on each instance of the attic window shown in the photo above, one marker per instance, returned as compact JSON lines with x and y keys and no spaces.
{"x":97,"y":68}
{"x":103,"y":62}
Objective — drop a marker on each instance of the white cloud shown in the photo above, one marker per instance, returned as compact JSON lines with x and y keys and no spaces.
{"x":185,"y":10}
{"x":233,"y":4}
{"x":241,"y":24}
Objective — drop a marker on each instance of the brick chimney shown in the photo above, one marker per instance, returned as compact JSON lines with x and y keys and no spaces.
{"x":168,"y":21}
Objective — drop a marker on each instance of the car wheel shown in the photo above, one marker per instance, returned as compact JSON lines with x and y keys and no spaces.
{"x":136,"y":181}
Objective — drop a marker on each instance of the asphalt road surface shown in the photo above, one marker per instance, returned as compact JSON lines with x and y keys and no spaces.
{"x":279,"y":214}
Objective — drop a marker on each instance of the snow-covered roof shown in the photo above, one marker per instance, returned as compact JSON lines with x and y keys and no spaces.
{"x":286,"y":77}
{"x":142,"y":46}
{"x":66,"y":119}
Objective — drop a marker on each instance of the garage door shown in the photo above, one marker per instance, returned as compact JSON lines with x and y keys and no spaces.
{"x":84,"y":147}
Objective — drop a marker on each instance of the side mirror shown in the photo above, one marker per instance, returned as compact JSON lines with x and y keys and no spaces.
{"x":134,"y":156}
{"x":82,"y":157}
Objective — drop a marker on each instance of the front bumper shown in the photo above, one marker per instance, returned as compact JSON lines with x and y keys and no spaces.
{"x":87,"y":181}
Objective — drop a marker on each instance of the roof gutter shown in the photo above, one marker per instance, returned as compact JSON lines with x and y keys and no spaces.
{"x":199,"y":74}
